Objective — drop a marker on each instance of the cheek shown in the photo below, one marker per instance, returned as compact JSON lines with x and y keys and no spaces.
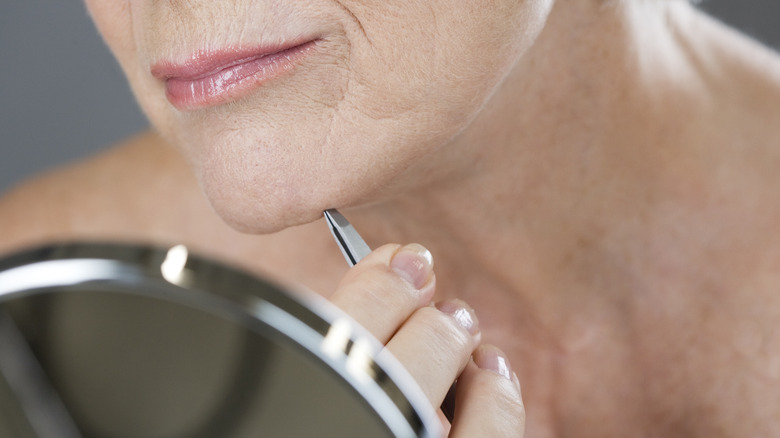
{"x":113,"y":20}
{"x":425,"y":69}
{"x":441,"y":57}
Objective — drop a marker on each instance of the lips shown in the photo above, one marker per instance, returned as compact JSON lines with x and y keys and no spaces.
{"x":212,"y":78}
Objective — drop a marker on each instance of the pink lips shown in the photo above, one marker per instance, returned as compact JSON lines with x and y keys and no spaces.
{"x":213,"y":78}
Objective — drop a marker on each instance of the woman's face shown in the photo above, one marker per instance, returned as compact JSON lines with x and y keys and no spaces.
{"x":285,"y":108}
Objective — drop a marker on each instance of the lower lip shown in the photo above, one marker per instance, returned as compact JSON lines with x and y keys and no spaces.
{"x":233,"y":81}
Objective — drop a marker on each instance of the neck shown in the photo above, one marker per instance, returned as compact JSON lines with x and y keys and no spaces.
{"x":542,"y":188}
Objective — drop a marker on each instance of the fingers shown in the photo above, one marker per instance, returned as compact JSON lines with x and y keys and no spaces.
{"x":435,"y":345}
{"x":389,"y":293}
{"x":386,"y":287}
{"x":488,"y":401}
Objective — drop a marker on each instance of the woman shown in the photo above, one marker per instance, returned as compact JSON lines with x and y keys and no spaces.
{"x":595,"y":178}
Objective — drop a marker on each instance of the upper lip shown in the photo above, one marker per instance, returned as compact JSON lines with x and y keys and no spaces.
{"x":203,"y":63}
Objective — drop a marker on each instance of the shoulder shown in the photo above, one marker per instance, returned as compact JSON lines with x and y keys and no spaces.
{"x":734,"y":64}
{"x":116,"y":194}
{"x":738,"y":83}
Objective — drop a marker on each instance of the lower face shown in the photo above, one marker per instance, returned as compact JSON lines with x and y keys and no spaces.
{"x":284,"y":109}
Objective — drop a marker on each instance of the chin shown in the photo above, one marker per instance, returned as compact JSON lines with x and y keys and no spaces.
{"x":265,"y":221}
{"x":263,"y":212}
{"x":268,"y":202}
{"x":261,"y":180}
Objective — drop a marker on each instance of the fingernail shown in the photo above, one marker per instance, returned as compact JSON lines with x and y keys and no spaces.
{"x":462,"y":312}
{"x":491,"y":358}
{"x":414,"y":263}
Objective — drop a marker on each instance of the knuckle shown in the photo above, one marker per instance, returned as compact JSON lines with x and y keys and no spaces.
{"x":512,"y":403}
{"x":380,"y":287}
{"x":513,"y":412}
{"x":508,"y":402}
{"x":444,"y":329}
{"x":505,"y":407}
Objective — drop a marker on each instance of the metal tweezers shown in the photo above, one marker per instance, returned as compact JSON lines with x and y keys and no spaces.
{"x":351,"y":244}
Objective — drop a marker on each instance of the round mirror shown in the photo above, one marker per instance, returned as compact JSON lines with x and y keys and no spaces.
{"x":128,"y":341}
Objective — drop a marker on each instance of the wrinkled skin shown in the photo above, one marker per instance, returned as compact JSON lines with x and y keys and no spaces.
{"x":388,"y":84}
{"x":597,"y":179}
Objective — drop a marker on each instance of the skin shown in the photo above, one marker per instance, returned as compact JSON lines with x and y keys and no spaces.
{"x":597,"y":180}
{"x":354,"y":96}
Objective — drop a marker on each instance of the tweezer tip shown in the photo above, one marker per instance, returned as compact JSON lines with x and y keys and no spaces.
{"x":351,"y":244}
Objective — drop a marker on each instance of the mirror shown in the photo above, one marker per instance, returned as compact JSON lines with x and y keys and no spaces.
{"x":102,"y":340}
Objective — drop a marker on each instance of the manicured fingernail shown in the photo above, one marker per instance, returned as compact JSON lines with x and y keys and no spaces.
{"x":462,"y":313}
{"x":414,"y":263}
{"x":491,"y":358}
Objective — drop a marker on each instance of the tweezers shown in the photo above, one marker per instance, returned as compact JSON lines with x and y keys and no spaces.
{"x":351,"y":244}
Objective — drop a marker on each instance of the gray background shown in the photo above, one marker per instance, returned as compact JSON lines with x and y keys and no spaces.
{"x":62,"y":96}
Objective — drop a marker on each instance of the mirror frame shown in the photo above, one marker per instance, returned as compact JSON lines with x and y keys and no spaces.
{"x":305,"y":322}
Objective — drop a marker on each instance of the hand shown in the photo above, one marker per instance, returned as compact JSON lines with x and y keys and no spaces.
{"x":390,"y":293}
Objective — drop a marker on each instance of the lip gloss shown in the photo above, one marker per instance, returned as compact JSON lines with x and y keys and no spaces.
{"x":213,"y":78}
